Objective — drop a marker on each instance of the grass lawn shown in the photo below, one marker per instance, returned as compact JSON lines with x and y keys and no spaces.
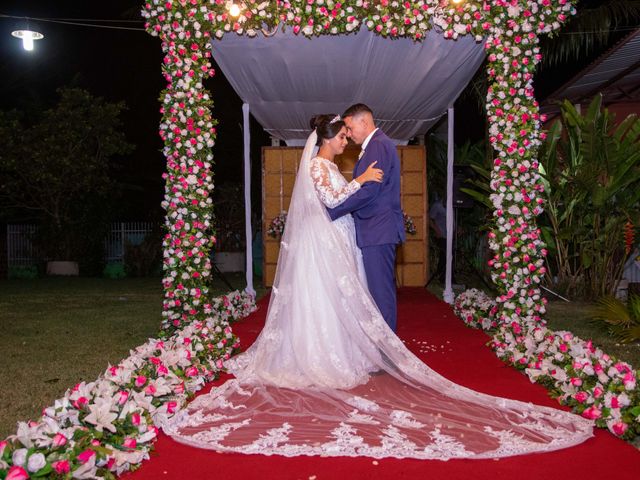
{"x":59,"y":331}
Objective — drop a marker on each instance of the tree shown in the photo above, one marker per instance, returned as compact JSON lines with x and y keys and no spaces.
{"x":57,"y":166}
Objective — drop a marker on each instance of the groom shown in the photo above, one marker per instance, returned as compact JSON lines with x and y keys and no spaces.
{"x":375,"y":208}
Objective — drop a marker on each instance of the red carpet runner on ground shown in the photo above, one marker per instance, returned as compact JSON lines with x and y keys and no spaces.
{"x":430,"y":330}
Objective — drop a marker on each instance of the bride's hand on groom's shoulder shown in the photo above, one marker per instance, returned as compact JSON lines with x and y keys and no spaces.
{"x":371,"y":174}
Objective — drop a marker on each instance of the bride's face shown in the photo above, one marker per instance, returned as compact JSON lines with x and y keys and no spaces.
{"x":339,"y":142}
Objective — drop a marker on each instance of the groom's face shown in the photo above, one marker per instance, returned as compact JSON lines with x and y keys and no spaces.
{"x":356,"y":128}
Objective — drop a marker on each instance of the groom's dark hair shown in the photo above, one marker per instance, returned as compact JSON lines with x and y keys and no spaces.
{"x":356,"y":109}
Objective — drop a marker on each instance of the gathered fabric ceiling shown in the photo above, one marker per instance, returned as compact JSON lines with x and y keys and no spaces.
{"x":287,"y":78}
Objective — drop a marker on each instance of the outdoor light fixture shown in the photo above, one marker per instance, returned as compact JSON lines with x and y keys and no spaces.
{"x":234,"y":10}
{"x":28,"y":37}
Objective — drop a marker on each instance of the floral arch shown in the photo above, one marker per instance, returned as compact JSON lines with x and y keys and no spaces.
{"x":510,"y":30}
{"x":106,"y":427}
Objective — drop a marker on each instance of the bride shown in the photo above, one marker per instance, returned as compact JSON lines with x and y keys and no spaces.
{"x":327,"y":376}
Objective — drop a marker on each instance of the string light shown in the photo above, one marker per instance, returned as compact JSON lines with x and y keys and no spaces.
{"x":234,"y":10}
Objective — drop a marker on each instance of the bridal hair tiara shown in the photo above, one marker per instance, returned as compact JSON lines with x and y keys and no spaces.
{"x":335,"y":119}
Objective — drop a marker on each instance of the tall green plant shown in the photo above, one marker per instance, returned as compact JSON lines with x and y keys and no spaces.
{"x":591,"y":171}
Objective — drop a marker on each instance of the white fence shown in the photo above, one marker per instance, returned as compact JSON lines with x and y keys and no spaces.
{"x":20,"y":249}
{"x":21,"y":252}
{"x":121,"y":234}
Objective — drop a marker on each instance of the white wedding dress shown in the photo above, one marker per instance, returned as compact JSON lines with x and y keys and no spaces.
{"x":328,"y":377}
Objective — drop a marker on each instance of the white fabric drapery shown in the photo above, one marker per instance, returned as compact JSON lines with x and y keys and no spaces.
{"x":288,"y":78}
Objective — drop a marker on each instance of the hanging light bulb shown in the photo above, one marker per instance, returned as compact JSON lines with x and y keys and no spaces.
{"x":457,"y":1}
{"x":234,"y":10}
{"x":27,"y":37}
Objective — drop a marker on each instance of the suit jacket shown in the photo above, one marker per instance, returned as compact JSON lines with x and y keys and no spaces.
{"x":376,"y":206}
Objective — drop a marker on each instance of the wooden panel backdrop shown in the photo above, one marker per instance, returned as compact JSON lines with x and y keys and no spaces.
{"x":279,"y":168}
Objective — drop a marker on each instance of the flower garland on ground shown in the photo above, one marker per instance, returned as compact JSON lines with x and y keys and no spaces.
{"x":103,"y":428}
{"x":578,"y":374}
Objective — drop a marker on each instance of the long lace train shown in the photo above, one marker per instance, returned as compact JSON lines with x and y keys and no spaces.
{"x":327,"y":376}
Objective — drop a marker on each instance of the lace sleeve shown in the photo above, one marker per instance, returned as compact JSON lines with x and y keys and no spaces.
{"x":328,"y":194}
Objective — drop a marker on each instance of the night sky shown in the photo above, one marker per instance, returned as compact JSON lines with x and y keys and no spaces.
{"x":118,"y":65}
{"x":125,"y":65}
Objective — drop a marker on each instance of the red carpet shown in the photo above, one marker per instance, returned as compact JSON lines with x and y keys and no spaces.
{"x":430,"y":329}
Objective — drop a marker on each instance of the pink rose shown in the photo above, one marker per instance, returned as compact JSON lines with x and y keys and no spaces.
{"x":140,"y":380}
{"x":3,"y":445}
{"x":135,"y":418}
{"x":122,"y":397}
{"x":17,"y":473}
{"x":191,"y":372}
{"x":150,"y":390}
{"x":581,"y":397}
{"x":592,"y":413}
{"x":618,"y":428}
{"x":576,"y":382}
{"x":597,"y":392}
{"x":59,"y":440}
{"x":85,"y":456}
{"x":80,"y":403}
{"x":171,"y":406}
{"x":130,"y":442}
{"x":61,"y":466}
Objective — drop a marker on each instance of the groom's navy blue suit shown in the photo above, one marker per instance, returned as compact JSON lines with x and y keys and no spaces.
{"x":377,"y":214}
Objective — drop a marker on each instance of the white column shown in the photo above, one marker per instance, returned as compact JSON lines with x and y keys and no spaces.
{"x":247,"y":200}
{"x":448,"y":291}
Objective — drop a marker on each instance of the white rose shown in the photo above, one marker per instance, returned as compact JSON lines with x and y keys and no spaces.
{"x":36,"y":462}
{"x":19,"y":457}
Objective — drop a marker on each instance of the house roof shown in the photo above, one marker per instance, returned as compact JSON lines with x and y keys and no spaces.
{"x":615,"y":74}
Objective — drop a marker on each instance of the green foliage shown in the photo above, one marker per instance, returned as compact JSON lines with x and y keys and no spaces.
{"x":621,"y":320}
{"x":26,"y":273}
{"x":57,"y":165}
{"x":591,"y":172}
{"x":114,"y":271}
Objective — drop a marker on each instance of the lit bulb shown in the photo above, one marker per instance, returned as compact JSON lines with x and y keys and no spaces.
{"x":234,"y":10}
{"x":458,"y":1}
{"x":27,"y":43}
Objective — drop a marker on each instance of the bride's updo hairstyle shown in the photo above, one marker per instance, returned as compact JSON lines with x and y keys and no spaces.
{"x":326,"y":126}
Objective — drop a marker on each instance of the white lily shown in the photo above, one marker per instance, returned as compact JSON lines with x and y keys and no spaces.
{"x":101,"y":416}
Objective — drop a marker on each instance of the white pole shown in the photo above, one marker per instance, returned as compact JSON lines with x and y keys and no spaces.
{"x":247,"y":200}
{"x":448,"y":291}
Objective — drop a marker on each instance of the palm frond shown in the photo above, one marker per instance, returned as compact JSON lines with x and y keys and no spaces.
{"x":612,"y":311}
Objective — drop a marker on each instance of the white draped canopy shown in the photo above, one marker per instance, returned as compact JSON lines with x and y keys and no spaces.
{"x":288,"y":78}
{"x":285,"y":79}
